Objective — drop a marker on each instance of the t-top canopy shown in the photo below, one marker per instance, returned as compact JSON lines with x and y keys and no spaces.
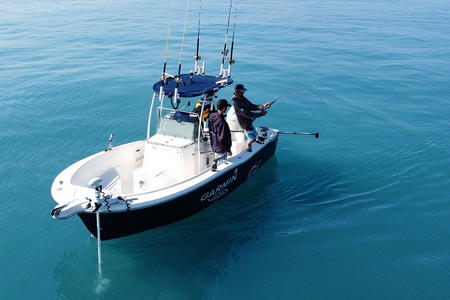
{"x":192,"y":86}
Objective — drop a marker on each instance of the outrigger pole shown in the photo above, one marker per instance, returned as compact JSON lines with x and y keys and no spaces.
{"x":178,"y":78}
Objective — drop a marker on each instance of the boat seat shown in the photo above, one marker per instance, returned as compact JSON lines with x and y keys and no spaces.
{"x":237,"y":133}
{"x":114,"y":186}
{"x":237,"y":142}
{"x":145,"y":180}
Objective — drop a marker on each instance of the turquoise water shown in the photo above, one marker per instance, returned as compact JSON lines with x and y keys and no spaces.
{"x":363,"y":212}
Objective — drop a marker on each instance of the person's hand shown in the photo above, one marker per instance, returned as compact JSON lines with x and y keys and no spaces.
{"x":229,"y":153}
{"x":267,"y":105}
{"x":264,"y":112}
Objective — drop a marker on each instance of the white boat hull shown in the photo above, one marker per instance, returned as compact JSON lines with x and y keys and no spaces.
{"x":127,"y":212}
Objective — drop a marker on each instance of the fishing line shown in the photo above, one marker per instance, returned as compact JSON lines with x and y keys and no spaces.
{"x":296,"y":91}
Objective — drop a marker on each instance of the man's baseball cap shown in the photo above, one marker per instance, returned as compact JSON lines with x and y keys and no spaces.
{"x":240,"y":87}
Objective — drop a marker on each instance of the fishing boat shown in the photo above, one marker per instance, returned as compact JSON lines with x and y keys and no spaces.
{"x":167,"y":177}
{"x":172,"y":173}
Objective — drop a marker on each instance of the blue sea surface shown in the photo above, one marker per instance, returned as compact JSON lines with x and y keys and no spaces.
{"x":361,"y":213}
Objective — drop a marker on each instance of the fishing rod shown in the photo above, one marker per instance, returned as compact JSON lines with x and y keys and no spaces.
{"x":231,"y":61}
{"x":178,"y":78}
{"x":186,"y":105}
{"x":197,"y":56}
{"x":225,"y":50}
{"x":296,"y":91}
{"x":163,"y":76}
{"x":315,"y":134}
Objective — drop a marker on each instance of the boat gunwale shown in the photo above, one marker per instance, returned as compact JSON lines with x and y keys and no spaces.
{"x":168,"y":193}
{"x":233,"y":162}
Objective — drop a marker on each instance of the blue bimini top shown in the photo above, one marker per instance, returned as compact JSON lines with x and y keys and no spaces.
{"x":192,"y":86}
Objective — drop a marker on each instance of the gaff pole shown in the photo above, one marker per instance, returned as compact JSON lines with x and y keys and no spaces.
{"x":315,"y":134}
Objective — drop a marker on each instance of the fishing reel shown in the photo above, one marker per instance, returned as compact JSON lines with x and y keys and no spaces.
{"x":260,"y":139}
{"x":261,"y":135}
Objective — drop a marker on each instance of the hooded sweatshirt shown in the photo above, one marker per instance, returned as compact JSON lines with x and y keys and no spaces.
{"x":219,"y":132}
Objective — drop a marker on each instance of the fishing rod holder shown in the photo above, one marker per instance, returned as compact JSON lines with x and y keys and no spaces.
{"x":216,"y":160}
{"x":199,"y":69}
{"x":97,"y":184}
{"x":165,"y":76}
{"x":110,"y":145}
{"x":226,"y":72}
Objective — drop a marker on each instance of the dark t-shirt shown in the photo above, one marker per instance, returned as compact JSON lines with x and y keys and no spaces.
{"x":244,"y":111}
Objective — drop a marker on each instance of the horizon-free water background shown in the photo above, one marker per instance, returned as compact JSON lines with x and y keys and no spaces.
{"x":363,"y":212}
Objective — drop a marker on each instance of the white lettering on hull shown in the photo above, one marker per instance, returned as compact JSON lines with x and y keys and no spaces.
{"x":220,"y":190}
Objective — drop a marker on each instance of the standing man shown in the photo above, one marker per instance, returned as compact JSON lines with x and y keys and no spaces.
{"x":245,"y":113}
{"x":219,"y":132}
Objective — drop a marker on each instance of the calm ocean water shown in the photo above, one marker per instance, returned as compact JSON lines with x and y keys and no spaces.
{"x":363,"y":212}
